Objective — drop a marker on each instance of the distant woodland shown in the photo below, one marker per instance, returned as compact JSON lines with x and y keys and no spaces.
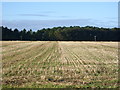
{"x":72,"y":33}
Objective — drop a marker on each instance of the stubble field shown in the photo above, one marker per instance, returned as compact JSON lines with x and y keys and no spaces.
{"x":59,"y":64}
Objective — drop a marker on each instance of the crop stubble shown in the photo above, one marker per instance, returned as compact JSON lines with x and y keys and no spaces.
{"x":39,"y":63}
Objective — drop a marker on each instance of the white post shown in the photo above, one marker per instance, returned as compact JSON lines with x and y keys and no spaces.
{"x":21,"y":38}
{"x":95,"y":38}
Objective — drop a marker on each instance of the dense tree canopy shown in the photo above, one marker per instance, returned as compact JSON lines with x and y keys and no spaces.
{"x":72,"y":33}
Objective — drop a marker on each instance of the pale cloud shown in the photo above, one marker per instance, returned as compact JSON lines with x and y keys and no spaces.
{"x":39,"y":24}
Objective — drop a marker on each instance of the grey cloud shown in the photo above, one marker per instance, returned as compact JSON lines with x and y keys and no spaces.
{"x":112,"y":18}
{"x":48,"y":12}
{"x":41,"y":15}
{"x":64,"y":16}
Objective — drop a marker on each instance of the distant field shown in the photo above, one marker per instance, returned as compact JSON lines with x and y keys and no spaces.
{"x":55,"y":64}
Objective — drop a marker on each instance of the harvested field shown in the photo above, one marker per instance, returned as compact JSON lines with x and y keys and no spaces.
{"x":59,"y":64}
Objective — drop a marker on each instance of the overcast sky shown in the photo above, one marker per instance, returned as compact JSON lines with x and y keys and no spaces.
{"x":38,"y":15}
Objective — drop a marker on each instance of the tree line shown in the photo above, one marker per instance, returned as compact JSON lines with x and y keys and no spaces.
{"x":72,"y":33}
